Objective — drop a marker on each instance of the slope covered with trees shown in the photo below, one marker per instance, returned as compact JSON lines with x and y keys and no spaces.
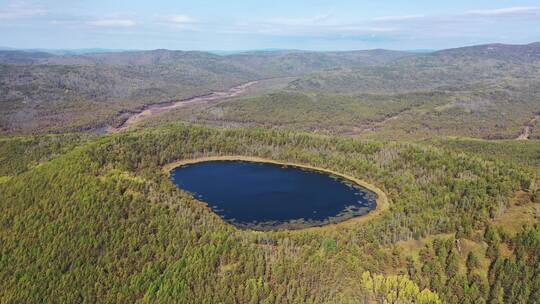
{"x":498,"y":268}
{"x":489,"y":92}
{"x":88,"y":91}
{"x":463,"y":67}
{"x":90,"y":217}
{"x":103,"y":222}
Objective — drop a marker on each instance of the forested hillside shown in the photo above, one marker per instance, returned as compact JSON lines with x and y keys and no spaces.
{"x":90,"y":213}
{"x":103,"y":221}
{"x":464,"y":67}
{"x":489,"y":92}
{"x":89,"y":91}
{"x":491,"y":89}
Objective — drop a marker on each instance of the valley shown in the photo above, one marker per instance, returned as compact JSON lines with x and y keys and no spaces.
{"x":281,"y":176}
{"x":155,"y":109}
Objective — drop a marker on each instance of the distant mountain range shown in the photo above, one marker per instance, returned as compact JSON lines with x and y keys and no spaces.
{"x":34,"y":81}
{"x":446,"y":68}
{"x":215,"y":52}
{"x":66,"y":51}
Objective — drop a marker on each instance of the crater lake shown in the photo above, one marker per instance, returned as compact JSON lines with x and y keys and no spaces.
{"x":268,"y":196}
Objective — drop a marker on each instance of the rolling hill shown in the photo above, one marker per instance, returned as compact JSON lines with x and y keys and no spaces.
{"x":448,"y":69}
{"x":57,"y":86}
{"x":103,"y":222}
{"x":491,"y":88}
{"x":92,"y":216}
{"x":488,"y":91}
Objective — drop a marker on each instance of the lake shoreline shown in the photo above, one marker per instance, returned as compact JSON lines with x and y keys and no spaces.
{"x":382,"y":202}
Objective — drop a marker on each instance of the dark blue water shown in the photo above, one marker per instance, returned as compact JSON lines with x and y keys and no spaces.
{"x":266,"y":196}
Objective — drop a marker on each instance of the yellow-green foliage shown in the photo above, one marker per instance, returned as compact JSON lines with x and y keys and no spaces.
{"x":394,"y":289}
{"x":103,"y":223}
{"x":510,"y":276}
{"x":315,"y":111}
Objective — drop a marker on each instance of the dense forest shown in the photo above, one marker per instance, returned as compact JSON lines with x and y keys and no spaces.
{"x":89,"y":218}
{"x":89,"y":91}
{"x":488,"y":92}
{"x":512,"y":274}
{"x":90,"y":213}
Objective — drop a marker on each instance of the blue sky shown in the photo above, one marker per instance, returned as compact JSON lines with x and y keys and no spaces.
{"x":251,"y":24}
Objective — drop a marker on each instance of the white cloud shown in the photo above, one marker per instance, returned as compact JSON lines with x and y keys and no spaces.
{"x":363,"y":29}
{"x":318,"y":25}
{"x":113,"y":23}
{"x":181,"y":19}
{"x":505,"y":11}
{"x":308,"y":21}
{"x":398,"y":18}
{"x":21,"y":9}
{"x":308,"y":30}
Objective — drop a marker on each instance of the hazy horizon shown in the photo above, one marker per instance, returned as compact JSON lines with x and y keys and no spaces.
{"x":253,"y":25}
{"x":224,"y":52}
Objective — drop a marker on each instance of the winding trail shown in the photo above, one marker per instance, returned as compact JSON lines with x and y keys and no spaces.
{"x":527,"y":128}
{"x":154,"y":109}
